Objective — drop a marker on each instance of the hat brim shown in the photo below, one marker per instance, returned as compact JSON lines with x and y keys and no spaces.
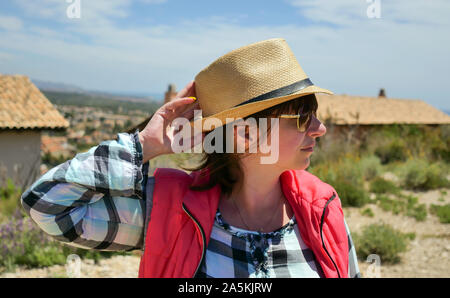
{"x":254,"y":107}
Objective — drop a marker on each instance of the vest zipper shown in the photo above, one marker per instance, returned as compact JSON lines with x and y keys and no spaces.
{"x":203,"y":237}
{"x":321,"y":234}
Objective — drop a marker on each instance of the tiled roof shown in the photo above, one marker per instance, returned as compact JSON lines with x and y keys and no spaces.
{"x":22,"y":105}
{"x":346,"y":109}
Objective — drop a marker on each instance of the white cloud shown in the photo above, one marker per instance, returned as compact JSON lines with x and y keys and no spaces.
{"x":350,"y":12}
{"x":405,"y":51}
{"x":10,"y":23}
{"x":91,"y":9}
{"x":434,"y":12}
{"x":342,"y":12}
{"x":49,"y":9}
{"x":96,"y":11}
{"x":153,"y":1}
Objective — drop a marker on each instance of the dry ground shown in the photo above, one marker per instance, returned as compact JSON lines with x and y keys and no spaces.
{"x":427,"y":256}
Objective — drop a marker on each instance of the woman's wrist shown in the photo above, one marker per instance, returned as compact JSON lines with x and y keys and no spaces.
{"x":148,"y":151}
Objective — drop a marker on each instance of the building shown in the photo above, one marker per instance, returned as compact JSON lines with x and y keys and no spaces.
{"x":355,"y":116}
{"x":57,"y":146}
{"x":24,"y":114}
{"x":361,"y":110}
{"x":170,"y":93}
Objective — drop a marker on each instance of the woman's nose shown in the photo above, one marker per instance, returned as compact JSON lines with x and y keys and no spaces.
{"x":317,"y":128}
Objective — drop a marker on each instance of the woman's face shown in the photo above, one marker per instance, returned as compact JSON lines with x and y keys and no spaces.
{"x":294,"y":147}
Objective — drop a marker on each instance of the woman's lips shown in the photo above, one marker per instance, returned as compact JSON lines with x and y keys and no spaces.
{"x":308,"y":149}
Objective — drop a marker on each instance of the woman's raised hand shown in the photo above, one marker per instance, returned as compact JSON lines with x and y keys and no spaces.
{"x":158,"y":136}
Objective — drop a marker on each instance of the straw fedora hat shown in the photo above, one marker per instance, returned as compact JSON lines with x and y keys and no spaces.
{"x":250,"y":79}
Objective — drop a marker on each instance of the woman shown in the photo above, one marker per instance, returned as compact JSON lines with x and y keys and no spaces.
{"x":234,"y":215}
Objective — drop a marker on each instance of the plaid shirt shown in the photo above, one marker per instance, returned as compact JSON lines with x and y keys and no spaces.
{"x":95,"y":200}
{"x":102,"y":200}
{"x":281,"y":253}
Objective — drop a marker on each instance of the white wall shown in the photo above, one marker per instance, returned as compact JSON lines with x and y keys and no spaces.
{"x":20,"y":157}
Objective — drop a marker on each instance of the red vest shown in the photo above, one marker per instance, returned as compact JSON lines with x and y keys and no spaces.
{"x":181,"y":221}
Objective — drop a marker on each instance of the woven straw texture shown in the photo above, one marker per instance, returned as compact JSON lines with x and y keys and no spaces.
{"x":246,"y":73}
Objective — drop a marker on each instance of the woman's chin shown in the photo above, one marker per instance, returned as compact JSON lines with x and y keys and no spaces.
{"x":303,"y":164}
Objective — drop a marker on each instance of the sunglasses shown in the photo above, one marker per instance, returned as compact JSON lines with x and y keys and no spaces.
{"x":303,"y":121}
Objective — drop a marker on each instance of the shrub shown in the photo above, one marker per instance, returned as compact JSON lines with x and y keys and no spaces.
{"x":395,"y":151}
{"x":9,"y":198}
{"x":350,"y":194}
{"x":341,"y":166}
{"x":331,"y":149}
{"x":370,"y":167}
{"x":368,"y":212}
{"x":23,"y":243}
{"x":383,"y":240}
{"x":443,"y":212}
{"x":407,"y":205}
{"x":52,"y":160}
{"x":388,"y":204}
{"x":410,"y":236}
{"x":438,"y":142}
{"x":419,"y":174}
{"x":391,"y":143}
{"x":380,"y":186}
{"x":324,"y":172}
{"x":419,"y":212}
{"x":348,"y":169}
{"x":347,"y":177}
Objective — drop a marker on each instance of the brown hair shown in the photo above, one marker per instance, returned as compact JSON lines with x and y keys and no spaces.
{"x":224,"y":168}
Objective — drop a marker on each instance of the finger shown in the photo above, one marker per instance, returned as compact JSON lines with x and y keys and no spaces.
{"x":176,"y":104}
{"x":187,"y":91}
{"x":189,"y":113}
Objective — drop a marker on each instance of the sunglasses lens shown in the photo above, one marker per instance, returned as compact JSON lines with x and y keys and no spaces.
{"x":303,"y":123}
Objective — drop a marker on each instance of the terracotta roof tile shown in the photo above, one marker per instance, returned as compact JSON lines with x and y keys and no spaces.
{"x":346,"y":109}
{"x":22,"y":105}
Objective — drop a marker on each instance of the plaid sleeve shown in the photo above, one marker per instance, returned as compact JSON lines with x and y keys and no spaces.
{"x":353,"y":269}
{"x":95,"y":200}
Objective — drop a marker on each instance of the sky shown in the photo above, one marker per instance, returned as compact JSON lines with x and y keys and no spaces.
{"x":351,"y":47}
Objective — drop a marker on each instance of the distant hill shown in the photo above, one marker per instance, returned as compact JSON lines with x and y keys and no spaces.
{"x":57,"y":87}
{"x":67,"y":94}
{"x":102,"y":101}
{"x":68,"y":88}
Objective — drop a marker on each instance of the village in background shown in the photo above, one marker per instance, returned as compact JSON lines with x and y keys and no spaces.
{"x":385,"y":156}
